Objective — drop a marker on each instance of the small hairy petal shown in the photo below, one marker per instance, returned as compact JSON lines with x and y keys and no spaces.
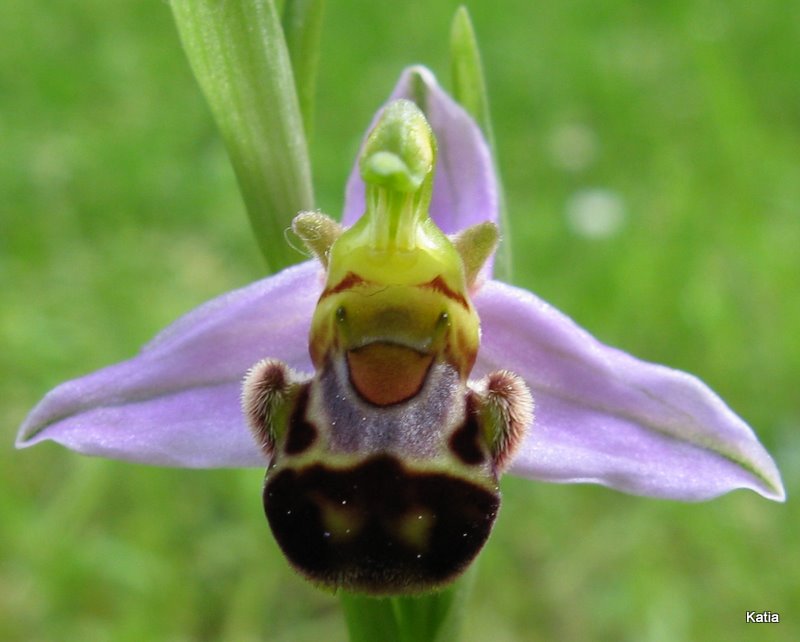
{"x":464,"y":187}
{"x":267,"y":388}
{"x":177,"y":402}
{"x":605,"y":417}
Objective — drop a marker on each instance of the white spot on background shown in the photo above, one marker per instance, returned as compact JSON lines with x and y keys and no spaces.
{"x":573,"y":147}
{"x":595,"y":213}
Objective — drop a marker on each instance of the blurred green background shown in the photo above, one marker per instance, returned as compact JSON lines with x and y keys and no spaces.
{"x":651,"y":155}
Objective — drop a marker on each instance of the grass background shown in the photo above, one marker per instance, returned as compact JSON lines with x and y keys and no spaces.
{"x":119,"y":212}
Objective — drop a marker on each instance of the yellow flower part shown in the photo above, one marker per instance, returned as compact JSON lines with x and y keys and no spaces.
{"x":396,"y":297}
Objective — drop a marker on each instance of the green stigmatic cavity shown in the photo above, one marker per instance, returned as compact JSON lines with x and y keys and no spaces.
{"x":383,"y":475}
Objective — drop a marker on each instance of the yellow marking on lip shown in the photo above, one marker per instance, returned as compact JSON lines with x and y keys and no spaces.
{"x":414,"y":528}
{"x":341,"y":521}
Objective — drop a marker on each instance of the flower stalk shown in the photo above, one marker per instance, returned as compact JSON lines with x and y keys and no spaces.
{"x":240,"y":58}
{"x":469,"y":89}
{"x":302,"y":27}
{"x":431,"y":617}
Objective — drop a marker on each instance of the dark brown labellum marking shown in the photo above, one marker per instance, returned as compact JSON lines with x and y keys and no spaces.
{"x":465,"y":441}
{"x":438,"y":285}
{"x":350,"y":280}
{"x":378,"y":527}
{"x":301,"y":433}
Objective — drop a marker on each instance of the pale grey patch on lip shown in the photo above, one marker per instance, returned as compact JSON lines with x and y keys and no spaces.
{"x":416,"y":428}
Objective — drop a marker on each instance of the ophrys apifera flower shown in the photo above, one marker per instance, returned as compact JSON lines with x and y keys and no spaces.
{"x":406,"y":352}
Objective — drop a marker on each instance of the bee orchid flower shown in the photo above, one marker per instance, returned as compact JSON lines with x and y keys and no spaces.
{"x":599,"y":415}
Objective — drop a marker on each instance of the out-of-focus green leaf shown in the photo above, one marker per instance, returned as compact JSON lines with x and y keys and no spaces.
{"x":238,"y":54}
{"x":469,"y":89}
{"x":302,"y":25}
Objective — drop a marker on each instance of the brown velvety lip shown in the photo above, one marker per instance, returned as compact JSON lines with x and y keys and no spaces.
{"x":385,"y":373}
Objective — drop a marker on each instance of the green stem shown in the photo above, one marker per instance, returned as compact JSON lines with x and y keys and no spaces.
{"x":369,"y":619}
{"x":430,"y":617}
{"x":469,"y":89}
{"x":435,"y":617}
{"x":239,"y":56}
{"x":302,"y":24}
